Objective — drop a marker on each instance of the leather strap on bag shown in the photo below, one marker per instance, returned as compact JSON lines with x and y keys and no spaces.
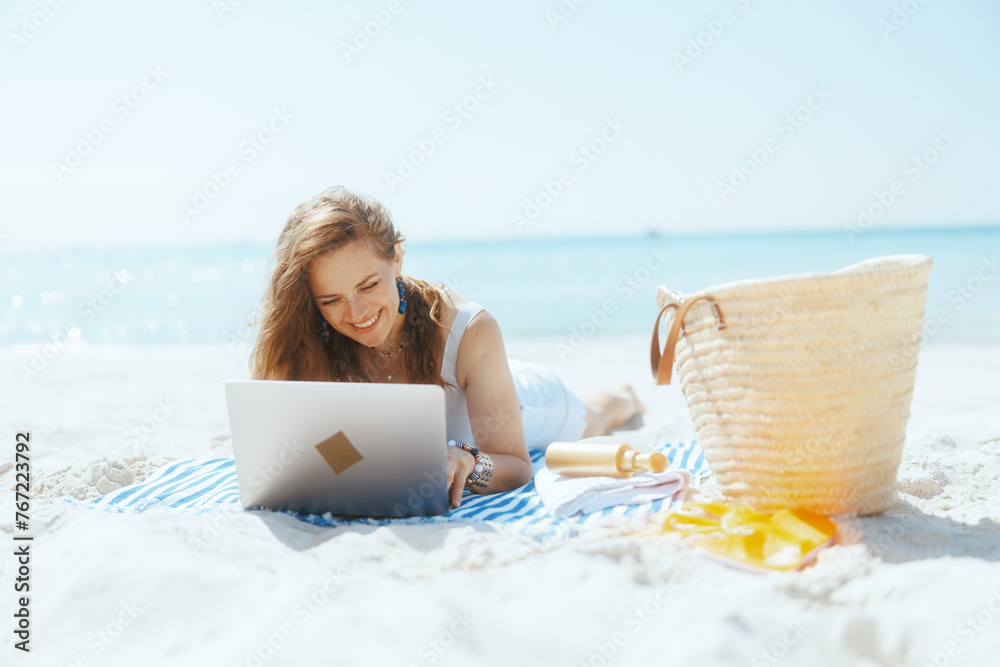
{"x":663,"y":365}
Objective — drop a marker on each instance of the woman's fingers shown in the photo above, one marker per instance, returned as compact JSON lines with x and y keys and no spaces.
{"x":457,"y":474}
{"x":452,"y":475}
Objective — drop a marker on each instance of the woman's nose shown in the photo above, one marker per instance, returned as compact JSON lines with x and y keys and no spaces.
{"x":355,"y":308}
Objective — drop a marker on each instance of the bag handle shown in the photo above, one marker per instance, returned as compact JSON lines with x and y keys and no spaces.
{"x":663,"y":365}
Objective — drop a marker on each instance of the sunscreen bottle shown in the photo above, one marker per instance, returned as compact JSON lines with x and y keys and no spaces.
{"x":582,"y":459}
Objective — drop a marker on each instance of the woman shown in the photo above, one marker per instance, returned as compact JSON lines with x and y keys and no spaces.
{"x":339,"y":308}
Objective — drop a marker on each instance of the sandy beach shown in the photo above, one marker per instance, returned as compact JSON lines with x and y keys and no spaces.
{"x":188,"y":179}
{"x":917,"y":586}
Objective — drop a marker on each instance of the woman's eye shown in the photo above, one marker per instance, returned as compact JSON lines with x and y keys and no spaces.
{"x":365,"y":288}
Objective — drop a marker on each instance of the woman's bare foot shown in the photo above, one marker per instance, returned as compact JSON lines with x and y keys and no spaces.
{"x":607,"y":410}
{"x":625,"y":388}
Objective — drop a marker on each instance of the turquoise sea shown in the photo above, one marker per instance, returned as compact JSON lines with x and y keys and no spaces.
{"x":555,"y":287}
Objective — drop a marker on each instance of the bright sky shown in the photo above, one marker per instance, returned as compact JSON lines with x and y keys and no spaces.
{"x":117,"y":114}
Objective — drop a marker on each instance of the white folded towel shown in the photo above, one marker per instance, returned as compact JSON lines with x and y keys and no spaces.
{"x":566,"y":496}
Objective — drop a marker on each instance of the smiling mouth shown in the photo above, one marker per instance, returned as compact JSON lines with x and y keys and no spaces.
{"x":367,"y":324}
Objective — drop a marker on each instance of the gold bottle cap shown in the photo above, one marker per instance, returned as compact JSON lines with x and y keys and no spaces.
{"x":651,"y":461}
{"x":587,"y":459}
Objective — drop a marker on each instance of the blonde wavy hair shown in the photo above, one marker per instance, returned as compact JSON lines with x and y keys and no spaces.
{"x":288,"y":345}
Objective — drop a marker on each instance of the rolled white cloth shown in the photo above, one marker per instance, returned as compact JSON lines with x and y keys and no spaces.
{"x":566,"y":496}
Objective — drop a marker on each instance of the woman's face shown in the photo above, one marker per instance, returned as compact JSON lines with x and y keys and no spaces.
{"x":353,"y":287}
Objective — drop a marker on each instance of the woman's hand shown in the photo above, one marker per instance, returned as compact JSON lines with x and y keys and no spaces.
{"x":460,"y":464}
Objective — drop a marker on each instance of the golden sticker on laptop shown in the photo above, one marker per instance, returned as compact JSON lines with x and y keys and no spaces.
{"x":338,"y":452}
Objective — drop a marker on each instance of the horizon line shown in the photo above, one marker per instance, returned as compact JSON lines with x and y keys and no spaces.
{"x":6,"y":247}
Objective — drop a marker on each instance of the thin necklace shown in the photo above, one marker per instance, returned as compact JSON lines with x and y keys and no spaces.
{"x":388,"y":354}
{"x":389,"y":376}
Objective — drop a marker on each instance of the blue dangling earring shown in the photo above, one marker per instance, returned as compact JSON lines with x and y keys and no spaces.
{"x":402,"y":299}
{"x":324,"y":333}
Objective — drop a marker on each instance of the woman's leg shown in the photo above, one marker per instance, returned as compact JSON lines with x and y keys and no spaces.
{"x":607,"y":410}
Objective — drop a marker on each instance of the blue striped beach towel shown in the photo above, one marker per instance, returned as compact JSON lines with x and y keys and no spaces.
{"x":208,"y":485}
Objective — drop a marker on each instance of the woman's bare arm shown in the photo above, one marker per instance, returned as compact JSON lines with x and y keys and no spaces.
{"x":494,"y":412}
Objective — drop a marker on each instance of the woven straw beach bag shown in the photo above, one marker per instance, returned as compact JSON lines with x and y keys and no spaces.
{"x":799,"y":386}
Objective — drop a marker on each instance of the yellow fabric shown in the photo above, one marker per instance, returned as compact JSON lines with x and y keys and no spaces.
{"x":778,"y":541}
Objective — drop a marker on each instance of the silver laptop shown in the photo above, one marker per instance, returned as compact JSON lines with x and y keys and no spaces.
{"x":354,"y":449}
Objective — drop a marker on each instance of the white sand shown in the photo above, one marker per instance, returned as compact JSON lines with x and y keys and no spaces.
{"x":919,"y":585}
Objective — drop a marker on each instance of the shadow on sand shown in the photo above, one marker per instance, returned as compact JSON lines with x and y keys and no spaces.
{"x":905,"y":533}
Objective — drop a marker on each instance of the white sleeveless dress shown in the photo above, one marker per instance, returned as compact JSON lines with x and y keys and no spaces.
{"x":549,"y":410}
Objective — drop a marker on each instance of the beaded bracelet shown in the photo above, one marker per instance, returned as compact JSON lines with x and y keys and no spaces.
{"x":482,"y":473}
